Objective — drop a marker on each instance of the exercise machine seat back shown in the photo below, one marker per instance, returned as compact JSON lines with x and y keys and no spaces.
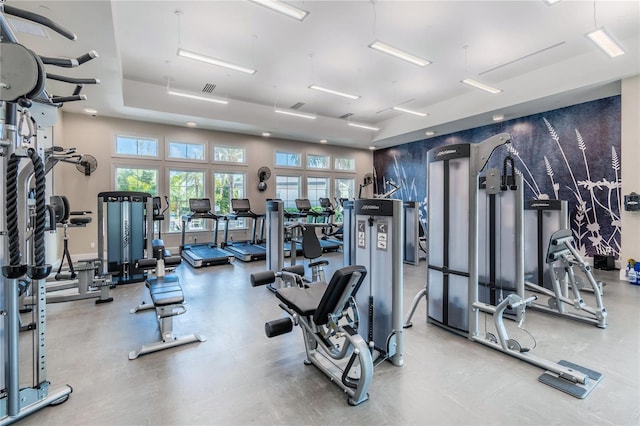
{"x":311,"y":248}
{"x":320,"y":299}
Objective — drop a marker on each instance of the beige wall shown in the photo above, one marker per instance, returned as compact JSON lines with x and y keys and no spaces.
{"x":630,"y":168}
{"x":96,"y":136}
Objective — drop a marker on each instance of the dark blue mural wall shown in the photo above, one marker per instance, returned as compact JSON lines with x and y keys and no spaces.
{"x":568,"y":154}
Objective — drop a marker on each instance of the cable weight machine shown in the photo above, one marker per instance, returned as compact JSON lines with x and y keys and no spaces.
{"x":458,"y":232}
{"x":23,"y":219}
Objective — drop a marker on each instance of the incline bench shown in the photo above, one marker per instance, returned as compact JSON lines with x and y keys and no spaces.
{"x":167,"y":299}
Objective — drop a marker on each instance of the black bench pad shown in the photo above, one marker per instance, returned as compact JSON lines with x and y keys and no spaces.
{"x":303,"y":301}
{"x":165,"y":290}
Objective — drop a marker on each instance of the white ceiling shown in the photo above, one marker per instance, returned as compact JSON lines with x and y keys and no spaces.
{"x":537,"y":54}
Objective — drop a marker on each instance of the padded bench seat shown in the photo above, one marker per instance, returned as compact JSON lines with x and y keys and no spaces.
{"x":303,"y":301}
{"x":165,"y":291}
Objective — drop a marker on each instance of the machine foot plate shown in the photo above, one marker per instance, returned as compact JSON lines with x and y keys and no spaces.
{"x":577,"y":390}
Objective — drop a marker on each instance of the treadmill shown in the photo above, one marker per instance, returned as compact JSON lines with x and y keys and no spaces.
{"x":246,"y":251}
{"x":304,"y":208}
{"x":203,"y":254}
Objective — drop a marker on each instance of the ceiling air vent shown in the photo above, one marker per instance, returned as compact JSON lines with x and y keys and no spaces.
{"x":347,"y":115}
{"x":297,"y":105}
{"x":208,"y":88}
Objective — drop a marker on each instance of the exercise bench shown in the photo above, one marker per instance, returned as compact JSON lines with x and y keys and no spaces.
{"x":167,"y":298}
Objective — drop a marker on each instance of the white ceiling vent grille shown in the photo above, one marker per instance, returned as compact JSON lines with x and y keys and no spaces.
{"x":347,"y":115}
{"x":297,"y":105}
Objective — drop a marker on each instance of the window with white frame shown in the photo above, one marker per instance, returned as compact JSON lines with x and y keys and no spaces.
{"x":229,"y":154}
{"x":226,"y":187}
{"x":184,"y":184}
{"x":140,"y":179}
{"x":186,"y":151}
{"x":288,"y":190}
{"x":344,"y":164}
{"x":318,"y":162}
{"x":135,"y":146}
{"x":317,"y":187}
{"x":288,"y":159}
{"x":344,"y":187}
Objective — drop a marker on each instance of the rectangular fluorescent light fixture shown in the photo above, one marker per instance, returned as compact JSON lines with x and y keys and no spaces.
{"x":481,"y":86}
{"x":296,"y":114}
{"x":284,"y":8}
{"x":419,"y":114}
{"x":605,"y":42}
{"x":362,"y":126}
{"x":390,"y":50}
{"x":200,"y":98}
{"x":213,"y":61}
{"x":333,"y":92}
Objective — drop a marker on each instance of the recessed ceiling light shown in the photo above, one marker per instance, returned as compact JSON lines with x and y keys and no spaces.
{"x":266,"y":134}
{"x":323,"y":141}
{"x":372,"y":148}
{"x":333,"y":92}
{"x":91,"y":111}
{"x":419,"y":114}
{"x":605,"y":42}
{"x":551,"y":2}
{"x":479,"y":85}
{"x":498,"y":117}
{"x":429,"y":133}
{"x":401,"y":54}
{"x":213,"y":61}
{"x":296,"y":114}
{"x":363,"y":126}
{"x":200,"y":98}
{"x":191,"y":124}
{"x":284,"y":8}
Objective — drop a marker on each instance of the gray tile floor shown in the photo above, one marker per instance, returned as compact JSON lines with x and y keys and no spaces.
{"x":238,"y":376}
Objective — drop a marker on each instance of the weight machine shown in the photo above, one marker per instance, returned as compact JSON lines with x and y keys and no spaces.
{"x":551,"y":271}
{"x":454,"y":279}
{"x":128,"y":224}
{"x":23,"y":218}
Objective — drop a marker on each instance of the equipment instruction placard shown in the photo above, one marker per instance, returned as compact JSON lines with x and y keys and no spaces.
{"x":381,"y":231}
{"x":361,"y":231}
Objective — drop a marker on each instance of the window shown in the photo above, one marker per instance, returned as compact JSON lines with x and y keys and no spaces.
{"x":345,"y":164}
{"x":317,"y":161}
{"x":288,"y":190}
{"x":139,"y":147}
{"x":186,"y":151}
{"x":184,"y":184}
{"x":228,"y":154}
{"x":317,"y":188}
{"x":227,"y":186}
{"x":344,"y":188}
{"x":136,"y":179}
{"x":288,"y":159}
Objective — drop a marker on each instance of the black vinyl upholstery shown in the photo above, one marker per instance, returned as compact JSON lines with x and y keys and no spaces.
{"x":321,"y":299}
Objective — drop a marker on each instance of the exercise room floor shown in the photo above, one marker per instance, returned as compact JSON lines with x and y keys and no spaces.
{"x":239,"y":377}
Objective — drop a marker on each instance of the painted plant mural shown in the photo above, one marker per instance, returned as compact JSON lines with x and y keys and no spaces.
{"x":570,"y":154}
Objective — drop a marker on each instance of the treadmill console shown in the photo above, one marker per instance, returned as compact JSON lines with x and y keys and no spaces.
{"x":240,"y":205}
{"x":303,"y":204}
{"x":199,"y":205}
